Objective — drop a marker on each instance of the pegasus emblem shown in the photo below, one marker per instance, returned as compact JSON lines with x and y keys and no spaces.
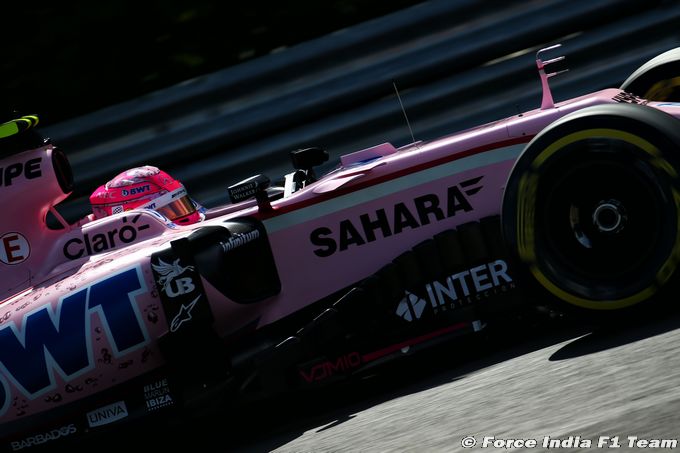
{"x":168,"y":272}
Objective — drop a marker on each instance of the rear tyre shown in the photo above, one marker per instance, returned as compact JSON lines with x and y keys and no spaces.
{"x":591,"y":208}
{"x":658,"y":79}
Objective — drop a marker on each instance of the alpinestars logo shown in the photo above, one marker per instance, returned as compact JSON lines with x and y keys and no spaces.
{"x":184,"y":315}
{"x":411,"y":307}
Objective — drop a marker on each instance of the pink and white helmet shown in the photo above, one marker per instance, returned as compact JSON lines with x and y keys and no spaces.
{"x":145,"y":187}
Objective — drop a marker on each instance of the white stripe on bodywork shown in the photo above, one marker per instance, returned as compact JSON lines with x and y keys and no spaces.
{"x":388,"y":187}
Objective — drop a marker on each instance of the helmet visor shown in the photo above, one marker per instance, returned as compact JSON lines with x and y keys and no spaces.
{"x":177,"y":208}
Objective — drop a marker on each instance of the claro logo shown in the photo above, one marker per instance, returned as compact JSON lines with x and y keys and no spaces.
{"x":369,"y":227}
{"x":100,"y":242}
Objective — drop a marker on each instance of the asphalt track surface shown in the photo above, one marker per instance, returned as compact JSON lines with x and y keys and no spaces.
{"x":559,"y":381}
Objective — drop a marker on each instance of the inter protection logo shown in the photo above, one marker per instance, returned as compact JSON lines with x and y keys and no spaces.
{"x":411,"y":306}
{"x":458,"y":289}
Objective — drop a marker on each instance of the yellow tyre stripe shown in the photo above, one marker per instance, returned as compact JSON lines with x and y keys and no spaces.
{"x":526,"y":213}
{"x":662,"y":90}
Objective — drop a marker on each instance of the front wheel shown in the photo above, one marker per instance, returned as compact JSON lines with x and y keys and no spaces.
{"x":658,"y":79}
{"x":591,"y":208}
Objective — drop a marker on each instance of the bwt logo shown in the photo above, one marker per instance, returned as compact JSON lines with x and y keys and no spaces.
{"x":58,"y":341}
{"x":136,"y":190}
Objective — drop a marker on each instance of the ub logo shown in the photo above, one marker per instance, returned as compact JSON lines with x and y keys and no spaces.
{"x":181,"y":286}
{"x":169,"y":273}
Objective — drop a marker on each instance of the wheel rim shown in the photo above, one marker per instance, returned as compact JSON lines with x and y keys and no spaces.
{"x":609,"y":217}
{"x":604,"y":219}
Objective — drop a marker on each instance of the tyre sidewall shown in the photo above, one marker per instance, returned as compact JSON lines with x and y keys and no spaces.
{"x":655,"y":136}
{"x":657,"y":78}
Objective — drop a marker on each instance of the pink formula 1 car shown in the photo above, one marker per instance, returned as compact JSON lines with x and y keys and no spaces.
{"x":132,"y":315}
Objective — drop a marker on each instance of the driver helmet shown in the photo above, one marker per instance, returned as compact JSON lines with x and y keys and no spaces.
{"x":145,"y":187}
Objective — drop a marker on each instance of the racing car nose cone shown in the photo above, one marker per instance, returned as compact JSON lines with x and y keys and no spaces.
{"x":609,"y":216}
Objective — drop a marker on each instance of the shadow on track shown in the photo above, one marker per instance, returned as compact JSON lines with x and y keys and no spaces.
{"x":626,"y":331}
{"x":265,"y":426}
{"x":283,"y":421}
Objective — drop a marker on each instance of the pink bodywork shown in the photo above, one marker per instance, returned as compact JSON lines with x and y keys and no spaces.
{"x":41,"y":267}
